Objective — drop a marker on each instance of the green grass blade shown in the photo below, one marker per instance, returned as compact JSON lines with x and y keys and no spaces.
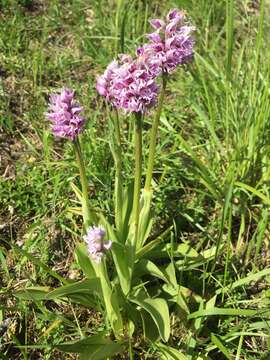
{"x":215,"y":340}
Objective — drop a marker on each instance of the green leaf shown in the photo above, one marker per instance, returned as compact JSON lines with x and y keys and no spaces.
{"x":246,"y":280}
{"x":150,"y":247}
{"x":87,"y":286}
{"x":101,"y":352}
{"x":150,"y":329}
{"x":170,"y":353}
{"x":110,"y":299}
{"x":184,"y":291}
{"x":207,"y":177}
{"x":209,"y":67}
{"x":229,"y":36}
{"x":126,"y":212}
{"x":229,"y":312}
{"x":170,"y":273}
{"x":179,"y":295}
{"x":158,"y":309}
{"x":254,"y":192}
{"x":215,"y":340}
{"x":83,"y":292}
{"x":75,"y":210}
{"x":197,"y":324}
{"x":144,"y":266}
{"x":77,"y":192}
{"x":190,"y":261}
{"x":209,"y":125}
{"x":121,"y":256}
{"x":86,"y":300}
{"x":225,"y":214}
{"x":32,"y":294}
{"x":93,"y":348}
{"x":203,"y":357}
{"x":84,"y":261}
{"x":186,"y":250}
{"x":114,"y":312}
{"x":84,"y":344}
{"x":146,"y":218}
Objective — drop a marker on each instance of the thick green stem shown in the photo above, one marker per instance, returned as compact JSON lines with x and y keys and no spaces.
{"x":87,"y":213}
{"x":138,"y":173}
{"x":118,"y":172}
{"x":153,"y":138}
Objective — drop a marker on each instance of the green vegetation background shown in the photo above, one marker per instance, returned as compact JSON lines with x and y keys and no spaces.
{"x":212,"y":169}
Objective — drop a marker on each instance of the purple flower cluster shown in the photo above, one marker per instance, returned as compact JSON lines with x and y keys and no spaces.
{"x":131,"y":84}
{"x":95,"y":243}
{"x":172,"y":42}
{"x":64,"y":113}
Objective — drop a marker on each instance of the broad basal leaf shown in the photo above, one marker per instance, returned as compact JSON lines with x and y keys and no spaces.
{"x":83,"y":292}
{"x":158,"y":309}
{"x":122,"y":257}
{"x":93,"y":348}
{"x":33,"y":293}
{"x":170,"y":353}
{"x":149,"y":327}
{"x":87,"y":286}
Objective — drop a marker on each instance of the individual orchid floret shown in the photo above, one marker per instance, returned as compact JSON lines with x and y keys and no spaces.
{"x":96,"y":244}
{"x":64,"y":114}
{"x":172,"y":42}
{"x":131,"y":86}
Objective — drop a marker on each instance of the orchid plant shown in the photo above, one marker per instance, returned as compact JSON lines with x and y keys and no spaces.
{"x":130,"y":87}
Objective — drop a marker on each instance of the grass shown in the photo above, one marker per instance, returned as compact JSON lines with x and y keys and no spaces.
{"x":212,"y":173}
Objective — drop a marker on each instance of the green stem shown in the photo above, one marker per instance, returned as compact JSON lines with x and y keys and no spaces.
{"x":118,"y":173}
{"x":87,"y":213}
{"x":138,"y":173}
{"x":130,"y":352}
{"x":153,"y":138}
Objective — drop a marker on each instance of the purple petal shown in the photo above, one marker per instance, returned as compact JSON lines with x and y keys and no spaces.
{"x":154,"y":37}
{"x":157,"y":23}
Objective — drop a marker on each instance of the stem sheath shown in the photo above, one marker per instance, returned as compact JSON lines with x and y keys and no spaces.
{"x":111,"y":306}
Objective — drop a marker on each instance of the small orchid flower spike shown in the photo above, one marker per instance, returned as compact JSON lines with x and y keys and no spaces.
{"x":97,"y":247}
{"x":64,"y":114}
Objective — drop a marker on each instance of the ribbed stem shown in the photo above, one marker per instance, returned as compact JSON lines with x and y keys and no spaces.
{"x":118,"y":172}
{"x":153,"y":137}
{"x":87,"y":213}
{"x":138,"y":173}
